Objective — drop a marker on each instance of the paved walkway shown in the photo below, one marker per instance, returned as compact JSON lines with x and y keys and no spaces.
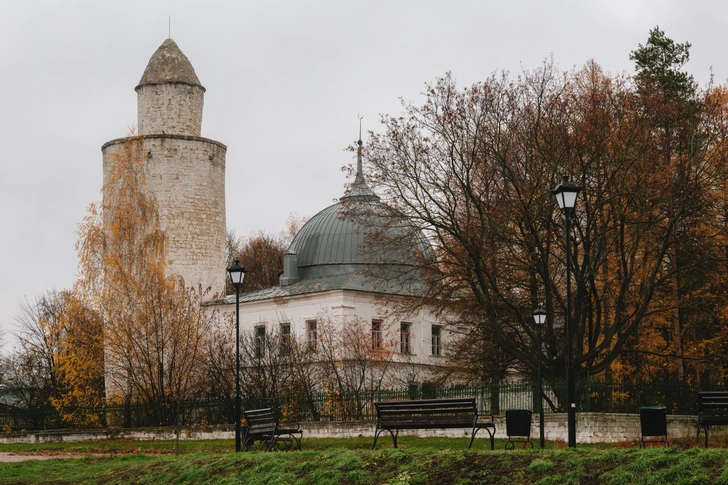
{"x":10,"y":457}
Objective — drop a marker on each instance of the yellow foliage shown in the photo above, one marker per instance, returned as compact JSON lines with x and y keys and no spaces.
{"x":153,"y":327}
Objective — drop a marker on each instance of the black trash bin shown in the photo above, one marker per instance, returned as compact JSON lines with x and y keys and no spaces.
{"x":518,"y":425}
{"x":653,"y":425}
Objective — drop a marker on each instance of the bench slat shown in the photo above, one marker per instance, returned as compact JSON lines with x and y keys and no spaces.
{"x":712,"y":410}
{"x":263,"y":426}
{"x":431,"y":413}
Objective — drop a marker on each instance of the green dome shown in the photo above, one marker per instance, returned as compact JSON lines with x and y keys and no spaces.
{"x":353,"y":235}
{"x":359,"y":234}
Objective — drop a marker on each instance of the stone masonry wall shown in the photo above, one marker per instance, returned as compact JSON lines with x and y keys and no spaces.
{"x":187,"y":176}
{"x":590,"y":428}
{"x":170,"y":108}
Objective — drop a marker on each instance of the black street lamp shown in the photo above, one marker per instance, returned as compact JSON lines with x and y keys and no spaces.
{"x":539,"y":316}
{"x":237,"y":274}
{"x":566,"y":194}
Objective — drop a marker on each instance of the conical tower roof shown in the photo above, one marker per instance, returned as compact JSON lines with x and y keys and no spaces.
{"x":169,"y":65}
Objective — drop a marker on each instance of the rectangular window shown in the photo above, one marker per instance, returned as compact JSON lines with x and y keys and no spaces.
{"x":311,"y":335}
{"x":405,"y":338}
{"x":259,"y":341}
{"x":284,"y":344}
{"x":436,"y":340}
{"x":376,"y":334}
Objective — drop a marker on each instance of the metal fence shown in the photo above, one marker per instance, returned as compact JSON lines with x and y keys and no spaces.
{"x":593,"y":395}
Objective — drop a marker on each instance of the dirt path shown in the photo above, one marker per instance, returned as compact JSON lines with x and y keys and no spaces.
{"x":11,"y":457}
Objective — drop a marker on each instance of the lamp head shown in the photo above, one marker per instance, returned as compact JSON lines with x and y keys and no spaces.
{"x":237,"y":274}
{"x":566,"y":194}
{"x":539,"y":315}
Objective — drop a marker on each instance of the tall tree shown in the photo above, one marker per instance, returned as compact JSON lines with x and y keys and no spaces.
{"x":472,"y":168}
{"x":668,"y":95}
{"x":80,"y":363}
{"x":155,"y":329}
{"x":59,"y":361}
{"x":659,"y":61}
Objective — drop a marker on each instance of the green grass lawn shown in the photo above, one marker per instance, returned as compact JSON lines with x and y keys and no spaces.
{"x":349,"y":461}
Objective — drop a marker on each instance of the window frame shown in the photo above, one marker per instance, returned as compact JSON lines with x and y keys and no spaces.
{"x":284,"y":337}
{"x":311,"y":335}
{"x":405,"y":338}
{"x":377,"y":340}
{"x":260,"y":341}
{"x":436,"y":340}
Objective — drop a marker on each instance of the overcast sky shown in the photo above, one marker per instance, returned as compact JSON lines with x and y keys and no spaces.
{"x":285,"y":82}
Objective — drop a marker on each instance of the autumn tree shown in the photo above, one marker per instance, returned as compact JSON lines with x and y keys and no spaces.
{"x":80,"y":364}
{"x":154,"y":327}
{"x":473,"y":167}
{"x":355,"y":359}
{"x":279,"y":370}
{"x":32,"y":371}
{"x":261,"y":254}
{"x":682,"y":122}
{"x":267,"y":366}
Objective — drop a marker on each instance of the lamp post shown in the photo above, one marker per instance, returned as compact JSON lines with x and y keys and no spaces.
{"x":237,"y":274}
{"x":539,"y":316}
{"x":566,"y":194}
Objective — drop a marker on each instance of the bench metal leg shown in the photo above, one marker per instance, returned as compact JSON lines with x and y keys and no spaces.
{"x":697,"y":438}
{"x":247,"y":442}
{"x":288,"y":441}
{"x":475,"y":431}
{"x":379,"y":430}
{"x":376,"y":435}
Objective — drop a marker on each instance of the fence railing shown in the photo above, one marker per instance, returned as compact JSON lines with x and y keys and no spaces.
{"x":593,"y":395}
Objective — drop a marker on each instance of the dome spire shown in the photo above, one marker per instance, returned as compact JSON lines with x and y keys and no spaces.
{"x":359,"y":188}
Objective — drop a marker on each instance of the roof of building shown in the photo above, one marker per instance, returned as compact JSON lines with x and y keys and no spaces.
{"x":400,"y":284}
{"x":169,"y":65}
{"x":353,"y":234}
{"x":357,"y":244}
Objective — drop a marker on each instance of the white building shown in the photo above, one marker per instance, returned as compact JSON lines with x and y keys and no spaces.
{"x":342,"y":267}
{"x":348,"y":267}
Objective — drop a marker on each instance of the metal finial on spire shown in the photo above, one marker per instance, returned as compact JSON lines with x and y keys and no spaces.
{"x":359,"y":167}
{"x":169,"y":28}
{"x":360,"y":118}
{"x":359,"y":189}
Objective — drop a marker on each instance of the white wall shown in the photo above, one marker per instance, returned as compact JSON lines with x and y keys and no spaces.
{"x":346,"y":306}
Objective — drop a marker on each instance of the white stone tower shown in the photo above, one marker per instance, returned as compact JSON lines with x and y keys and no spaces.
{"x":185,"y":172}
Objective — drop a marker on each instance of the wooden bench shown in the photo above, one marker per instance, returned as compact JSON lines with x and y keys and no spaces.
{"x":393,"y":416}
{"x":712,"y":410}
{"x":263,"y":426}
